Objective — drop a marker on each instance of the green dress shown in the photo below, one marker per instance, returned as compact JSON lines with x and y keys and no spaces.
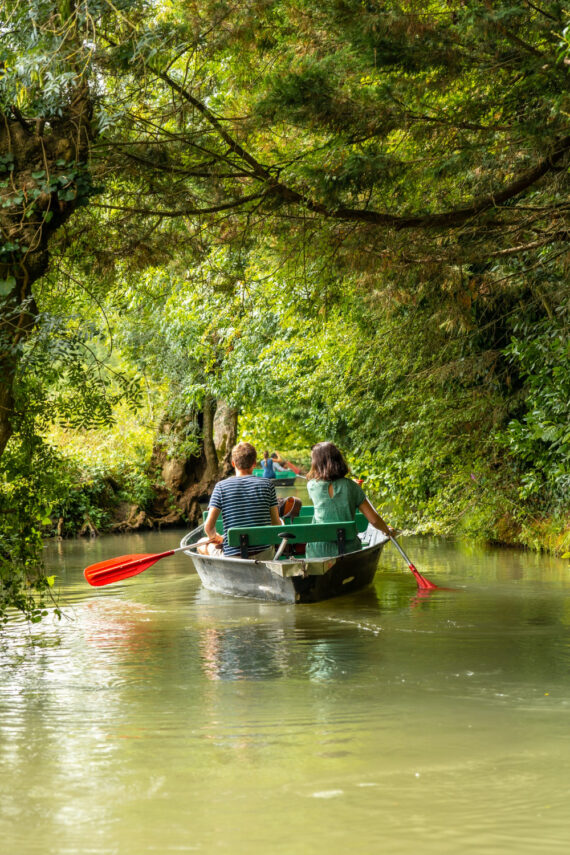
{"x":346,"y":498}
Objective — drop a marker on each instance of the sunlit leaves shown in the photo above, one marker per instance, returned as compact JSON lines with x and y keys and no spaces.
{"x":539,"y":439}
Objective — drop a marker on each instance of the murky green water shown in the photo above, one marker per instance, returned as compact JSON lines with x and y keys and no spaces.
{"x":158,"y":718}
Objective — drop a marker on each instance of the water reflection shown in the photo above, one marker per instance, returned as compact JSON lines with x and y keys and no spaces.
{"x":160,"y":718}
{"x":274,"y":641}
{"x":251,"y":653}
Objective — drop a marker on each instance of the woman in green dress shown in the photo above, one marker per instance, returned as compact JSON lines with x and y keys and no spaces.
{"x":336,"y":497}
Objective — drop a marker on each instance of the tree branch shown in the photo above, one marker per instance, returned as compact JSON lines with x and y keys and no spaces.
{"x":259,"y":170}
{"x":458,"y":216}
{"x":182,"y":212}
{"x":445,"y":219}
{"x":543,"y":12}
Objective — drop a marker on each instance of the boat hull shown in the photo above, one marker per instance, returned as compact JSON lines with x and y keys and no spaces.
{"x":282,"y":479}
{"x":289,"y":581}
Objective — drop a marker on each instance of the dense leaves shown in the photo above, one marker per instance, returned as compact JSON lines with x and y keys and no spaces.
{"x":349,"y":220}
{"x":539,"y":439}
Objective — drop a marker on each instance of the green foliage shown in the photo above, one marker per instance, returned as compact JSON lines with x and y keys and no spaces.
{"x":46,"y":43}
{"x":539,"y":439}
{"x":65,"y":376}
{"x":28,"y":484}
{"x":44,"y":493}
{"x":348,"y":225}
{"x":422,"y":399}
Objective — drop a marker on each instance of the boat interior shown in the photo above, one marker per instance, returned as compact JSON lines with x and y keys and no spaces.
{"x":292,"y":537}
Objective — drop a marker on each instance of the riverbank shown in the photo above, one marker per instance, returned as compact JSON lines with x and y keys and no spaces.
{"x":106,"y":506}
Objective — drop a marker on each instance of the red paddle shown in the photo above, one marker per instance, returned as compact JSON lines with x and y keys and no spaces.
{"x":116,"y":569}
{"x":423,"y":583}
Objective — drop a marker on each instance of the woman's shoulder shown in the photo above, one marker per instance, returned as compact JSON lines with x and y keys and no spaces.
{"x":346,"y":486}
{"x":354,"y":489}
{"x":316,"y":486}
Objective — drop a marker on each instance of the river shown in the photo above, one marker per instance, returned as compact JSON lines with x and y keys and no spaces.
{"x":158,"y":718}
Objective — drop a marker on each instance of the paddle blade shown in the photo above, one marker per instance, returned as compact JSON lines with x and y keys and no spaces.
{"x":117,"y":569}
{"x":423,"y":583}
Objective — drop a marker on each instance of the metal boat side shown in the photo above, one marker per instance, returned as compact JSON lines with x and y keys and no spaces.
{"x":290,"y":580}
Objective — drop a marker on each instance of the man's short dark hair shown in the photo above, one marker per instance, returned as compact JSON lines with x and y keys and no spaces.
{"x":244,"y":455}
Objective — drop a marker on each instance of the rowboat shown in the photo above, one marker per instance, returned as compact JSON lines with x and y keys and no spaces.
{"x":290,"y":577}
{"x":282,"y":479}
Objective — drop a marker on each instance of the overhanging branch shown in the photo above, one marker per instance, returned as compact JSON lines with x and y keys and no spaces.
{"x":443,"y":220}
{"x":182,"y":212}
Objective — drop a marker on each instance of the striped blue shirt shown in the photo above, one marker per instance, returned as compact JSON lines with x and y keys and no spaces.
{"x":244,"y":501}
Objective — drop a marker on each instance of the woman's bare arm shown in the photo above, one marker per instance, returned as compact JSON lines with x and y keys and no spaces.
{"x":374,"y":517}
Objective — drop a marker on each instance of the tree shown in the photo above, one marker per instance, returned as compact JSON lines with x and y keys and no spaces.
{"x":45,"y":136}
{"x":179,"y":332}
{"x":408,"y":157}
{"x":378,"y":137}
{"x":438,"y":120}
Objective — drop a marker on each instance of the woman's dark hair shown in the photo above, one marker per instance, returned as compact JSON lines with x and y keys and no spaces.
{"x":265,"y":455}
{"x":327,"y":463}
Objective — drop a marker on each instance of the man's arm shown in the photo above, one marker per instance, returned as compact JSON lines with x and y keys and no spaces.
{"x":210,"y":526}
{"x":275,"y":518}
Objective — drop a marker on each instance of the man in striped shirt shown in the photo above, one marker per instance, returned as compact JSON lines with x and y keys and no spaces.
{"x":243,"y":501}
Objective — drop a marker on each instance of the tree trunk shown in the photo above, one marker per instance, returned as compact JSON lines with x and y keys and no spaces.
{"x":225,"y":436}
{"x":42,"y":168}
{"x":6,"y":410}
{"x":210,"y":453}
{"x":182,"y":483}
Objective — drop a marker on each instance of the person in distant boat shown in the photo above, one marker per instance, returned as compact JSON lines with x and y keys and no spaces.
{"x":281,"y":465}
{"x":268,"y":466}
{"x":336,"y":497}
{"x":278,"y":463}
{"x":243,"y":500}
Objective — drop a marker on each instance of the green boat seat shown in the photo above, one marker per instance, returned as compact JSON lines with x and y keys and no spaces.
{"x":331,"y":532}
{"x":220,"y":522}
{"x":305,"y":517}
{"x":307,"y":511}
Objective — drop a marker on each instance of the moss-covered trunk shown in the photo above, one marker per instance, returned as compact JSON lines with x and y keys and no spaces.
{"x":43,"y":177}
{"x":183,"y":481}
